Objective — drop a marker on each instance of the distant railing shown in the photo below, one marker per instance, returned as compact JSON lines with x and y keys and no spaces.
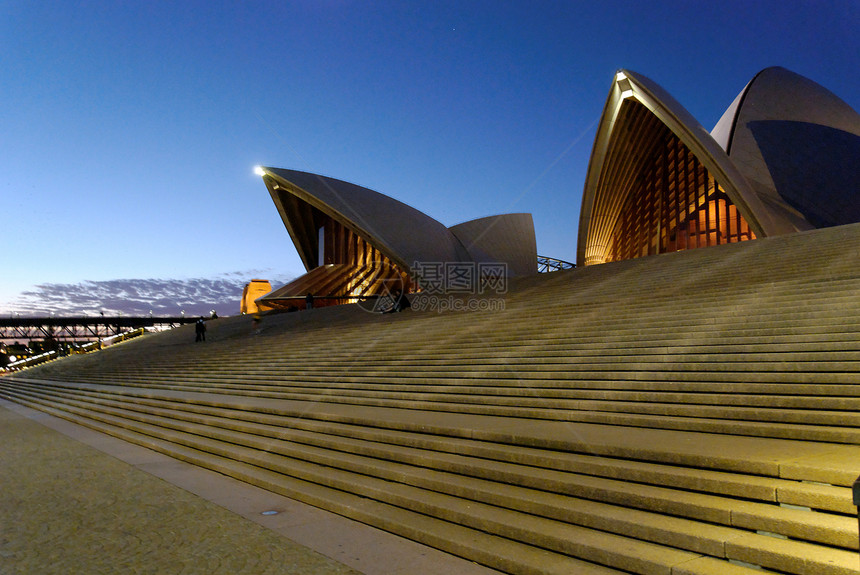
{"x":31,"y":361}
{"x":85,"y":348}
{"x":546,"y":265}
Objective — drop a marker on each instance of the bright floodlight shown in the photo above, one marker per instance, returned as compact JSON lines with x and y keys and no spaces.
{"x":259,"y":170}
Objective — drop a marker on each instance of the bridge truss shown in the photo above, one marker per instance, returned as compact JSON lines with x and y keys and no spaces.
{"x":81,"y":328}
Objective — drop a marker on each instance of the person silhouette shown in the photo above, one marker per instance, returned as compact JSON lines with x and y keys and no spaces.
{"x":200,"y":329}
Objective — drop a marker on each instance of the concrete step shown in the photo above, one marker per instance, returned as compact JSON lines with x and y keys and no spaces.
{"x":769,"y":490}
{"x":564,"y":538}
{"x":475,"y":545}
{"x":493,"y":505}
{"x":558,"y":354}
{"x":789,"y":396}
{"x":707,"y":451}
{"x":655,"y":415}
{"x":835,"y":426}
{"x":802,"y":410}
{"x":651,"y":334}
{"x":803,"y":383}
{"x":751,"y":455}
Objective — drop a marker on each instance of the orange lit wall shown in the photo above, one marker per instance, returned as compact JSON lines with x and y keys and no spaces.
{"x":253,"y":290}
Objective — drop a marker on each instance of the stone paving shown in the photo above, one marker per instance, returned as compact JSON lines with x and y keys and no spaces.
{"x":67,"y":508}
{"x":74,"y":501}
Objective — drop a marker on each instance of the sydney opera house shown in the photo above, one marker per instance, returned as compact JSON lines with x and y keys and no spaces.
{"x":783,"y":158}
{"x":673,"y":410}
{"x":357,"y":243}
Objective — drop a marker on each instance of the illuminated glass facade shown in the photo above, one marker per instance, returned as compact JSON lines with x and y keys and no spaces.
{"x":674,"y":204}
{"x":649,"y":192}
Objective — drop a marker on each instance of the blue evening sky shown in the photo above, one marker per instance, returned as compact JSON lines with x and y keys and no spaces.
{"x":129,"y":129}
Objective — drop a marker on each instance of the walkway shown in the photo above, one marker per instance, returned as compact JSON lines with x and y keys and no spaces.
{"x":77,"y":501}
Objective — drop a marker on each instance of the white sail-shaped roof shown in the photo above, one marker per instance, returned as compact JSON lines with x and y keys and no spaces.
{"x":401,"y":232}
{"x":798,"y":146}
{"x":624,"y":139}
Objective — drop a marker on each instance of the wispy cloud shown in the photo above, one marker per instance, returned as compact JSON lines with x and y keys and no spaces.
{"x":194,"y":296}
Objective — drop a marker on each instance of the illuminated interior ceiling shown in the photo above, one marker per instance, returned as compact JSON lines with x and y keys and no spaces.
{"x":641,"y":128}
{"x":673,"y":204}
{"x":783,"y":158}
{"x":329,"y":228}
{"x":306,"y":201}
{"x":347,"y":268}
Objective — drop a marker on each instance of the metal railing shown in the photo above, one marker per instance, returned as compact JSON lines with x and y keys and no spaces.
{"x":85,"y":348}
{"x":546,"y":265}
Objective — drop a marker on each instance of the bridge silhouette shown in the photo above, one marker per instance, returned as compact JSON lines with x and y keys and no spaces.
{"x":82,"y":328}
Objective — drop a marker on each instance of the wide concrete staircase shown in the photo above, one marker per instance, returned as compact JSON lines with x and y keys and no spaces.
{"x":692,"y":413}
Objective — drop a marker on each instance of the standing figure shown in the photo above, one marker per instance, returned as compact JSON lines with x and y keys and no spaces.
{"x":200,"y":328}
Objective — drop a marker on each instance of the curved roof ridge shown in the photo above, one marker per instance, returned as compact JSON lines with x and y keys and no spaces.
{"x":734,"y":108}
{"x":347,"y":208}
{"x":490,"y":217}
